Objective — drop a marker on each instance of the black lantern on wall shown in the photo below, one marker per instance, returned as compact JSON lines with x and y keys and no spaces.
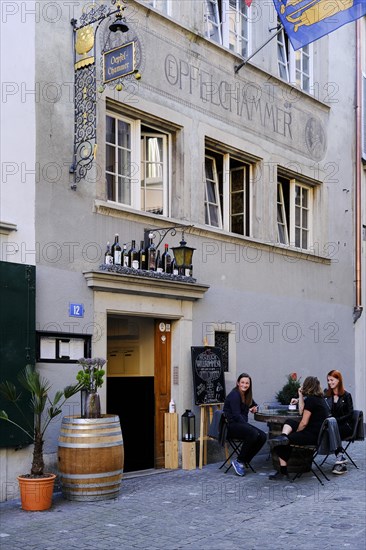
{"x":183,"y":257}
{"x":188,"y":426}
{"x":119,"y":24}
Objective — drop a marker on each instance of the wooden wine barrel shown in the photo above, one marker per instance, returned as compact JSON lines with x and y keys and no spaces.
{"x":90,"y":457}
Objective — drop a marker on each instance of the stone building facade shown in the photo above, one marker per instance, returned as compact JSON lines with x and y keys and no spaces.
{"x":259,"y":167}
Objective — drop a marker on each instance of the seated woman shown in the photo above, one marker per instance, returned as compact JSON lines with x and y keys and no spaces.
{"x":314,"y":411}
{"x":341,"y":407}
{"x":237,"y":405}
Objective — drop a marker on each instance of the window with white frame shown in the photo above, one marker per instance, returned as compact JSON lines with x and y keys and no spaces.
{"x":294,"y":213}
{"x":227,"y":24}
{"x":212,"y":200}
{"x":137,"y":164}
{"x":282,"y":213}
{"x":162,"y":5}
{"x":282,"y":56}
{"x":227,"y":192}
{"x":295,"y":67}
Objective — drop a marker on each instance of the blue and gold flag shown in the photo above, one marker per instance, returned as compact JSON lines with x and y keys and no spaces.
{"x":307,"y":20}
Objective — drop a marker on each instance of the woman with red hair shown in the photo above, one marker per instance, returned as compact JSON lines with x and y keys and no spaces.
{"x":341,"y":407}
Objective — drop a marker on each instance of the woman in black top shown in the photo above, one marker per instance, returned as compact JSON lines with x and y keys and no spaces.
{"x":340,"y":406}
{"x":314,"y":411}
{"x":238,"y":404}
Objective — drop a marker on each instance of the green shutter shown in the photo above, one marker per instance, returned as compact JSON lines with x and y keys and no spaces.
{"x":17,"y":340}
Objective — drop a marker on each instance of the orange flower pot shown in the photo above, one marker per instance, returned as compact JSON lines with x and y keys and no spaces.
{"x":36,"y":493}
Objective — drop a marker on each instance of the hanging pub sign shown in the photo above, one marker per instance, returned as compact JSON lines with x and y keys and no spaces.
{"x":119,"y":62}
{"x":208,"y":375}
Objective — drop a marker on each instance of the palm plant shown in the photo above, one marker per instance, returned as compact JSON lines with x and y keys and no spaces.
{"x":44,"y":409}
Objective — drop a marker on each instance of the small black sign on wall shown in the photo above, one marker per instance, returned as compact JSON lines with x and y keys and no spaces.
{"x":208,"y":375}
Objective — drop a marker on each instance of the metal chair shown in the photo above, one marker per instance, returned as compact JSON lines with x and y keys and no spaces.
{"x":358,"y":434}
{"x":328,"y":441}
{"x":219,"y":429}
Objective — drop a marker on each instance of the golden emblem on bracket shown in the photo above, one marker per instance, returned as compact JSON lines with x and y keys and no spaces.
{"x":84,"y":40}
{"x":83,"y":44}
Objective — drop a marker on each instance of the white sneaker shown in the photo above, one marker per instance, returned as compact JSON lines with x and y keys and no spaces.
{"x":340,"y":459}
{"x":339,"y":469}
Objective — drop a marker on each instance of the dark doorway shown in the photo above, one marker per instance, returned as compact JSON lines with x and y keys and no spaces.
{"x":132,"y":398}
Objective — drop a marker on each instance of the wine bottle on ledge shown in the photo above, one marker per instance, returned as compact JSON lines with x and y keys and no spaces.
{"x":167,"y":260}
{"x":159,"y":263}
{"x":125,"y":258}
{"x":108,"y":257}
{"x":174,"y":268}
{"x":133,"y":256}
{"x":142,"y":256}
{"x":151,"y":256}
{"x":116,"y":251}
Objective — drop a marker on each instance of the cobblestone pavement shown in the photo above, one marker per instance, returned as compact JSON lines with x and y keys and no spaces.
{"x":203,"y":509}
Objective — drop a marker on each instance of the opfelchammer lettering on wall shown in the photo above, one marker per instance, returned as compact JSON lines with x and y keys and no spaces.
{"x":241,"y":99}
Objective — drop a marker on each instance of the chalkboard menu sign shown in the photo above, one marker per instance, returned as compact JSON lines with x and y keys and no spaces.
{"x":208,"y":375}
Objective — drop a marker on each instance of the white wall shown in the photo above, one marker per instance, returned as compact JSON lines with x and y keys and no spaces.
{"x":18,"y":131}
{"x":18,"y":178}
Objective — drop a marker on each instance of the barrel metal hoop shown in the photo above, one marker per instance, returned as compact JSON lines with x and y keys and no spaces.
{"x":99,"y":492}
{"x":86,"y":476}
{"x":91,"y":434}
{"x":94,"y":498}
{"x":90,"y":445}
{"x":87,"y":421}
{"x":71,"y":427}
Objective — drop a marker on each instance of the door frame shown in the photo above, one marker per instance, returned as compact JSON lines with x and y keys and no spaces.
{"x":162,"y":384}
{"x":115,"y":294}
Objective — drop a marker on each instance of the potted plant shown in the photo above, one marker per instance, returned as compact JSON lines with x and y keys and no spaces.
{"x":36,"y":488}
{"x":90,"y":377}
{"x":289,"y":390}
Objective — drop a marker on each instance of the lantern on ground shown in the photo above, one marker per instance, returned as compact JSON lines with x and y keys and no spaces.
{"x":188,"y":426}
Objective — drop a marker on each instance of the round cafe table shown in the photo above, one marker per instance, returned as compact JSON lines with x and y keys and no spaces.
{"x":275,"y":419}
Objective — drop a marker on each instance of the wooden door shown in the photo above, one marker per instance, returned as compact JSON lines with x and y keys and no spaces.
{"x":162,"y":361}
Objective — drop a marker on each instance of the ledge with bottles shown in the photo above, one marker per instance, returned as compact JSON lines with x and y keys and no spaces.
{"x":145,"y":261}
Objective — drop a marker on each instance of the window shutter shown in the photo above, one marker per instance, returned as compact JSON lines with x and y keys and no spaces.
{"x":17,"y":340}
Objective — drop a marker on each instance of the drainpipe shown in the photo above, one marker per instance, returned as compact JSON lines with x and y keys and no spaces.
{"x":357,"y":310}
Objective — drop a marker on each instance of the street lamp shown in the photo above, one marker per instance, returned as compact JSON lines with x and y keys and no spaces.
{"x":183,"y":257}
{"x":182,"y":253}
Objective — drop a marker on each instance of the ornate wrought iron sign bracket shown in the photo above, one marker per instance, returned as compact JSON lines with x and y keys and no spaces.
{"x":122,"y":60}
{"x":162,"y":232}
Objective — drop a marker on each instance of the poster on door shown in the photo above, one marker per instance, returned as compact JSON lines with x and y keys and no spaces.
{"x":208,"y":375}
